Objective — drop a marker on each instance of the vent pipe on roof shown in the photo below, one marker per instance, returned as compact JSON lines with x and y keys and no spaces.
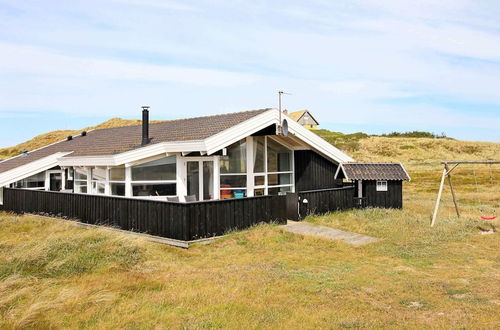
{"x":145,"y":125}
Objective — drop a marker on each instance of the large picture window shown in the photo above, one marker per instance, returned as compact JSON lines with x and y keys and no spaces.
{"x":35,"y":182}
{"x":155,"y":178}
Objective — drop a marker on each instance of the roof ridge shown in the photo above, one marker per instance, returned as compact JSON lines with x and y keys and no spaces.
{"x":182,"y":119}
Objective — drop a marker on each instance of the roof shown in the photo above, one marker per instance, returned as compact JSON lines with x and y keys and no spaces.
{"x":296,"y":115}
{"x":111,"y":141}
{"x":372,"y":171}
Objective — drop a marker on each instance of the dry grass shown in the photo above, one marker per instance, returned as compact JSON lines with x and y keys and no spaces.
{"x":56,"y":275}
{"x":424,"y":151}
{"x":53,"y":274}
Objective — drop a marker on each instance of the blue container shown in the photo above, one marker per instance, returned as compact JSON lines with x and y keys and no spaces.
{"x":239,"y":193}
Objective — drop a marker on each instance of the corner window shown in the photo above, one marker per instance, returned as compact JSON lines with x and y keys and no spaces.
{"x":381,"y":185}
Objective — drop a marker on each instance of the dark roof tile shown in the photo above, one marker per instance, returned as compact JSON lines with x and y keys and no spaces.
{"x":374,"y":171}
{"x":110,"y":141}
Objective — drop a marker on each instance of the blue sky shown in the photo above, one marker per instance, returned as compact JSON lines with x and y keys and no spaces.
{"x":358,"y":65}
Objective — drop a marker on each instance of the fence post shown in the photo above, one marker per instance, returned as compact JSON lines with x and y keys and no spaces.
{"x":292,"y":206}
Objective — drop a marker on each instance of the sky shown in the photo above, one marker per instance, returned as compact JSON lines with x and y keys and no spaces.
{"x":375,"y":66}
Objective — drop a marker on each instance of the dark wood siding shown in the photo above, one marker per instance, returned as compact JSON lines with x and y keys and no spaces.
{"x":325,"y":200}
{"x":182,"y":221}
{"x":313,"y":171}
{"x":392,"y":198}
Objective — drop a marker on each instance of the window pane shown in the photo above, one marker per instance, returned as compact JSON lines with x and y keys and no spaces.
{"x":167,"y":189}
{"x":80,"y":174}
{"x":117,"y":174}
{"x":259,"y":192}
{"x":160,"y":169}
{"x":233,"y":181}
{"x":81,"y":187}
{"x":208,"y":180}
{"x":193,"y":179}
{"x":279,"y":179}
{"x":279,"y":191}
{"x":34,"y":181}
{"x":236,"y":159}
{"x":278,"y":157}
{"x":99,"y":174}
{"x":258,"y":154}
{"x":98,"y":188}
{"x":117,"y":189}
{"x":259,"y":180}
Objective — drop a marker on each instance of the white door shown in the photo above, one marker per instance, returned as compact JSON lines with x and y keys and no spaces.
{"x":200,"y":179}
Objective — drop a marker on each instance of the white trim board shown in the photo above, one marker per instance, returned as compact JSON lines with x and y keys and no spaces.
{"x":30,"y":169}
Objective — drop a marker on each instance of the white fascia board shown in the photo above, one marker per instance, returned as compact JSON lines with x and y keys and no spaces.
{"x":316,"y":142}
{"x":340,"y":168}
{"x":404,"y":169}
{"x":30,"y":169}
{"x":135,"y":155}
{"x":242,"y":130}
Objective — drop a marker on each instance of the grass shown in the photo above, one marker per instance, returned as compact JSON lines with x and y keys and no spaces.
{"x":54,"y":274}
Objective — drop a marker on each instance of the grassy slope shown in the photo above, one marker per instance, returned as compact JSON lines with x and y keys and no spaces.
{"x":53,"y":274}
{"x":55,"y":136}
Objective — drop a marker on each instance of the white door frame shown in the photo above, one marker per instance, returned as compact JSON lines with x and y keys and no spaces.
{"x":200,"y":160}
{"x":47,"y":178}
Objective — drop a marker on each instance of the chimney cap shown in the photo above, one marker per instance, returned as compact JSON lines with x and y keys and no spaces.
{"x":145,"y":107}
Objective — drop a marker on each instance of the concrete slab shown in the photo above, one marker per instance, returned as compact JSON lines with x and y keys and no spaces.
{"x":308,"y":229}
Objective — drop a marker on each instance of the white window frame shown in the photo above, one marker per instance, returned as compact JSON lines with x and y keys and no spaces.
{"x":382,"y":185}
{"x":200,"y":160}
{"x":76,"y":182}
{"x":129,"y":182}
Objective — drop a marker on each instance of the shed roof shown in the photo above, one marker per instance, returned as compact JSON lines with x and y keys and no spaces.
{"x":111,"y":141}
{"x":372,"y":171}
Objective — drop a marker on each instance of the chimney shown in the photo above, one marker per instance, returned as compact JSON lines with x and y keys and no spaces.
{"x":145,"y":125}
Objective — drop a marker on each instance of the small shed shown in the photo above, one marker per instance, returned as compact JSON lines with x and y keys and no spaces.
{"x":377,"y":184}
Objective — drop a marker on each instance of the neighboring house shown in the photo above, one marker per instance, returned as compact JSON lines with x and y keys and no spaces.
{"x":377,"y":184}
{"x":207,"y":158}
{"x":304,"y":118}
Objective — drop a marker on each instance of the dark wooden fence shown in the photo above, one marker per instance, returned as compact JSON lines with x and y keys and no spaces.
{"x":182,"y":221}
{"x":325,"y":200}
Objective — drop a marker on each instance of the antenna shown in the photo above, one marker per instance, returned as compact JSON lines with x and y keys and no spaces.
{"x":280,"y":93}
